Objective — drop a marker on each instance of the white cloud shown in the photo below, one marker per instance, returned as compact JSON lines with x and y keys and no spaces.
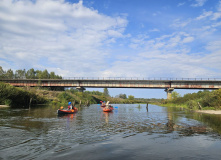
{"x":214,"y":46}
{"x":199,"y":3}
{"x":188,"y":39}
{"x":55,"y":33}
{"x":170,"y":56}
{"x":216,"y":15}
{"x":219,"y":6}
{"x":204,"y":15}
{"x":180,"y":4}
{"x":180,"y":23}
{"x":154,"y":30}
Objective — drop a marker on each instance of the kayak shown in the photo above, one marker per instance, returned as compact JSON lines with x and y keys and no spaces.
{"x":66,"y":111}
{"x":108,"y":109}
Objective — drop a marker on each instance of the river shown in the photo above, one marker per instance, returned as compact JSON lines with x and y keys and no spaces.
{"x":130,"y":132}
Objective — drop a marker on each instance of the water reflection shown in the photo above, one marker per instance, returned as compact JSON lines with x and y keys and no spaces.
{"x":213,"y":121}
{"x":105,"y":116}
{"x":67,"y":116}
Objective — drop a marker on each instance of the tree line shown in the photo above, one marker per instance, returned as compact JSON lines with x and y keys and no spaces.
{"x":29,"y":74}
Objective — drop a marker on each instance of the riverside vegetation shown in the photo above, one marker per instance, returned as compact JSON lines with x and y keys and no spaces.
{"x":26,"y":96}
{"x":205,"y":100}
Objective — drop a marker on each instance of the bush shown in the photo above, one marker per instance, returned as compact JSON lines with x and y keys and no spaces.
{"x":192,"y":104}
{"x":17,"y":97}
{"x":206,"y":99}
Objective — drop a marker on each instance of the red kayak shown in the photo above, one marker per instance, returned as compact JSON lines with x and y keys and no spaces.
{"x":108,"y":109}
{"x":66,"y":111}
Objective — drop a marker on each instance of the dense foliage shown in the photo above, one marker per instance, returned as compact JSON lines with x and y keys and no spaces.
{"x":205,"y":99}
{"x":29,"y":74}
{"x":18,"y":97}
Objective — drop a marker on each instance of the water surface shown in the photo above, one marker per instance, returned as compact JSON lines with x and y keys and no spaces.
{"x":129,"y":132}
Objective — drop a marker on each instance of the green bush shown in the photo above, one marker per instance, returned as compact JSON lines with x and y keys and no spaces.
{"x":207,"y":99}
{"x":18,"y":97}
{"x":192,"y":104}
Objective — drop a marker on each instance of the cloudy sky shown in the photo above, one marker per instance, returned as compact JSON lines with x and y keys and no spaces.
{"x":113,"y":38}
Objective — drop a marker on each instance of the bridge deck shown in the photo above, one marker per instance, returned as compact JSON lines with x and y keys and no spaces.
{"x":119,"y":83}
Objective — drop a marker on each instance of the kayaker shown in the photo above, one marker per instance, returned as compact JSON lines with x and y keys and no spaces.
{"x":69,"y":105}
{"x":107,"y":105}
{"x":103,"y":103}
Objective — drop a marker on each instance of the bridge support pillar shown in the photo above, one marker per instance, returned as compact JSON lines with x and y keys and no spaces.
{"x":80,"y":89}
{"x":169,"y":92}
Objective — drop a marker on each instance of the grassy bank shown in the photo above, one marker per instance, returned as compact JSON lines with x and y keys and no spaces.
{"x":202,"y":100}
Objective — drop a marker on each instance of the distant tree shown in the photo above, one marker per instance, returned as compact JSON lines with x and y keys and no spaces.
{"x":30,"y":74}
{"x":52,"y":75}
{"x":130,"y":97}
{"x":45,"y":74}
{"x":106,"y":92}
{"x":20,"y":73}
{"x":10,"y":74}
{"x":123,"y":96}
{"x":2,"y":72}
{"x":38,"y":74}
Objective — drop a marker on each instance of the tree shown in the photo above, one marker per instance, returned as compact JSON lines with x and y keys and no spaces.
{"x":45,"y":74}
{"x":2,"y":72}
{"x":30,"y":74}
{"x":175,"y":95}
{"x":38,"y":74}
{"x":130,"y":97}
{"x":20,"y":73}
{"x":52,"y":75}
{"x":123,"y":96}
{"x":9,"y":74}
{"x":106,"y":92}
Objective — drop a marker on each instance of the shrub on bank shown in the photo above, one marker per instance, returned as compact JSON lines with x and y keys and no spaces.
{"x":205,"y":99}
{"x":18,"y":97}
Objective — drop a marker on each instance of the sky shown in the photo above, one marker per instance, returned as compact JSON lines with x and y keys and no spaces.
{"x":113,"y":38}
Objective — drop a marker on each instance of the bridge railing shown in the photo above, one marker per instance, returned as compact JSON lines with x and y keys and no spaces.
{"x":139,"y":78}
{"x":122,"y":78}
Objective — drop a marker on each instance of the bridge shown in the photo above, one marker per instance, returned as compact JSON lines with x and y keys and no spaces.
{"x":169,"y":84}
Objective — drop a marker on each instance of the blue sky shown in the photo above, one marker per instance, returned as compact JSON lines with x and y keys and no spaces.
{"x":113,"y":38}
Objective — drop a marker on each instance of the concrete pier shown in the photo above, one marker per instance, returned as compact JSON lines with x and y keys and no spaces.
{"x":169,"y":92}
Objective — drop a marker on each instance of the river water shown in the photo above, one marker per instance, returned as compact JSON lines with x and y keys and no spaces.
{"x":129,"y":132}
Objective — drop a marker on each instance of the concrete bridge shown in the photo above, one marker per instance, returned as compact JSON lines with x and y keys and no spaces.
{"x":169,"y":84}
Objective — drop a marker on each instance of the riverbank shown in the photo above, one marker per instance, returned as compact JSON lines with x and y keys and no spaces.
{"x":209,"y":111}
